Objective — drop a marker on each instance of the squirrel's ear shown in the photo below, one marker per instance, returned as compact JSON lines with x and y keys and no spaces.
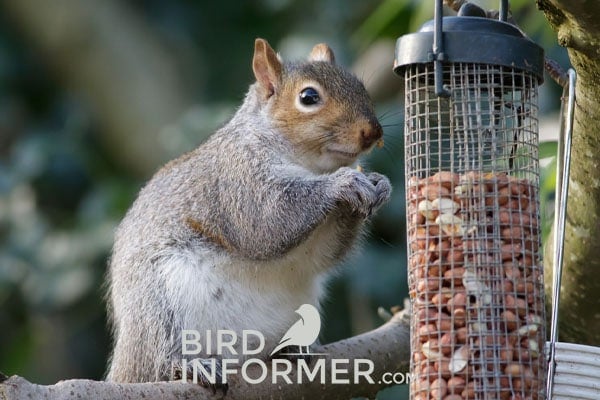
{"x":266,"y":66}
{"x":322,"y":52}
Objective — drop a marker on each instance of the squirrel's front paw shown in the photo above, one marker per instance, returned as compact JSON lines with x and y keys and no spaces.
{"x":364,"y":193}
{"x":383,"y":189}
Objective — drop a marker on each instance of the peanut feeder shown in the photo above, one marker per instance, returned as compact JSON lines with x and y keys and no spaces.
{"x":472,"y":184}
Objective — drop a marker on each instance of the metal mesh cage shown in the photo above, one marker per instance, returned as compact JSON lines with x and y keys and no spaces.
{"x":475,"y":273}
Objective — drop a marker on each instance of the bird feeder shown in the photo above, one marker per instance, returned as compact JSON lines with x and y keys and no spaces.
{"x":472,"y":194}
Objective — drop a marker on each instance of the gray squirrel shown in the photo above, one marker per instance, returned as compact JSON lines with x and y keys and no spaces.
{"x":240,"y":232}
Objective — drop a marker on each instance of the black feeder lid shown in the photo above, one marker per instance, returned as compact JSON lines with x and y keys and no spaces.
{"x":472,"y":40}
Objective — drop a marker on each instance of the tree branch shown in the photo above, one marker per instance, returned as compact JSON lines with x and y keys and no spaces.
{"x":387,"y":346}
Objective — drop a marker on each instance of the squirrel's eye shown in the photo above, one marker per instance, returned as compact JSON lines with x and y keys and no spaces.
{"x":309,"y":96}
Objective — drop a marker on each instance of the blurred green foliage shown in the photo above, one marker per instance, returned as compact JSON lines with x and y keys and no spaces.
{"x":62,"y":193}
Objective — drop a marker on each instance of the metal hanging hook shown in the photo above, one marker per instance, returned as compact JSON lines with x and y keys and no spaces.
{"x":563,"y":169}
{"x":438,"y":50}
{"x":503,"y":12}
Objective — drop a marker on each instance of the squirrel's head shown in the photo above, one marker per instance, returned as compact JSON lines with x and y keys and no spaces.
{"x":323,"y":110}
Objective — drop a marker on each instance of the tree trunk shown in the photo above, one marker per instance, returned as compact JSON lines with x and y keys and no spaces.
{"x":578,"y":28}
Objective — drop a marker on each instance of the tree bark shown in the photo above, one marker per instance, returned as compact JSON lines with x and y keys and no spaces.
{"x":387,"y":346}
{"x":578,"y":29}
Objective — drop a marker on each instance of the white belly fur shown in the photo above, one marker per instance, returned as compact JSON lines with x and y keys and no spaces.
{"x":212,"y":291}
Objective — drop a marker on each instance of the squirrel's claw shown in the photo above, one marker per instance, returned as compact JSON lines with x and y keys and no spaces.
{"x":293,"y":353}
{"x":200,"y":378}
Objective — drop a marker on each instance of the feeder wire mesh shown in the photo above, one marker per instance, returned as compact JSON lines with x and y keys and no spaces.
{"x":475,"y":272}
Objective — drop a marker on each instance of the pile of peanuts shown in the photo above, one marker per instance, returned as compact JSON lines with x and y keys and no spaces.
{"x":476,"y":287}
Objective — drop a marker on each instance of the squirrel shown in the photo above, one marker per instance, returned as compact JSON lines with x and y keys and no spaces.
{"x":241,"y":231}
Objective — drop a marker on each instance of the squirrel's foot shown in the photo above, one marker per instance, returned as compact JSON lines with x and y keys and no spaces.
{"x":294,"y":353}
{"x":206,"y":372}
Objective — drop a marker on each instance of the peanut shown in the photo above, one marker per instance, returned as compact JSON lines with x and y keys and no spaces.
{"x":459,"y":359}
{"x":507,"y":286}
{"x":527,"y":260}
{"x":503,"y":196}
{"x":435,"y":270}
{"x":534,"y":319}
{"x":431,"y":349}
{"x":510,"y":251}
{"x":420,"y":237}
{"x":428,"y":285}
{"x":456,"y":385}
{"x":532,"y":346}
{"x":516,"y":218}
{"x":453,"y":397}
{"x":438,"y":389}
{"x":523,"y":286}
{"x":425,"y":315}
{"x":457,"y":301}
{"x":447,"y":342}
{"x":426,"y":369}
{"x":442,"y":297}
{"x":425,"y":208}
{"x":450,"y":224}
{"x":455,"y":254}
{"x":514,"y":370}
{"x":443,"y":322}
{"x":512,"y":233}
{"x":444,"y":178}
{"x":427,"y":332}
{"x":528,"y":330}
{"x":454,"y":275}
{"x":418,"y":357}
{"x":511,"y":270}
{"x":469,"y":392}
{"x":445,"y":206}
{"x":460,"y":318}
{"x":418,"y":219}
{"x":439,"y":250}
{"x":442,"y":367}
{"x":506,"y":354}
{"x":496,"y":181}
{"x":433,"y":230}
{"x":510,"y":320}
{"x":522,"y":355}
{"x":431,"y":192}
{"x":521,"y":204}
{"x":461,"y":335}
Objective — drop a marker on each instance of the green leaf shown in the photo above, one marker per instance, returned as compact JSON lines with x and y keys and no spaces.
{"x":548,"y":149}
{"x":383,"y":15}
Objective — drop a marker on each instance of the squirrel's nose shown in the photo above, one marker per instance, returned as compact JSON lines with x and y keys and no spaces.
{"x":370,"y":134}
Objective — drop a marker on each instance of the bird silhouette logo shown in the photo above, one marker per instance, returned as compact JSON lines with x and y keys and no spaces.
{"x":304,"y":332}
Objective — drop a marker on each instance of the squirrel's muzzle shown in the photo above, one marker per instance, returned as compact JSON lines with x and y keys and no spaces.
{"x":369,"y":133}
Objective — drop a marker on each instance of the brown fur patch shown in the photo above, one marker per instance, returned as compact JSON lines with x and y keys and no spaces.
{"x":197,"y":227}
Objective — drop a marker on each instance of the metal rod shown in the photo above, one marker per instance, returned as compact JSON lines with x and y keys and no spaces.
{"x":503,"y":12}
{"x":563,"y":170}
{"x":437,"y":33}
{"x":438,"y":50}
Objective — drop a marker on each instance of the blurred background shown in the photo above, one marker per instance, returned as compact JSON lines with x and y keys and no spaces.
{"x":96,"y":95}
